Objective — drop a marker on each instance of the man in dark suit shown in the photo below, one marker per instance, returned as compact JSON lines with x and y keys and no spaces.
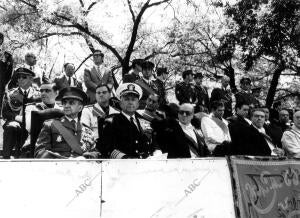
{"x":134,"y":73}
{"x":180,"y":138}
{"x":123,"y":136}
{"x":256,"y":141}
{"x":201,"y":92}
{"x":68,"y":79}
{"x":98,"y":74}
{"x":239,"y":123}
{"x":146,"y":83}
{"x":185,"y":91}
{"x":223,"y":94}
{"x":245,"y":95}
{"x":160,"y":82}
{"x":13,"y":112}
{"x":66,"y":137}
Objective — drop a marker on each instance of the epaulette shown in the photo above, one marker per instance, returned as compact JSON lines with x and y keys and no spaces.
{"x":89,"y":105}
{"x":32,"y":103}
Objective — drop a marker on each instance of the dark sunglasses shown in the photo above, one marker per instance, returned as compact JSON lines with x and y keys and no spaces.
{"x":187,"y":113}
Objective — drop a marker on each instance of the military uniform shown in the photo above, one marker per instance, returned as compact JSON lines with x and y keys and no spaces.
{"x":148,"y":88}
{"x":122,"y":139}
{"x":161,"y":91}
{"x":14,"y":103}
{"x":186,"y":93}
{"x":91,"y":113}
{"x":202,"y":96}
{"x":65,"y":137}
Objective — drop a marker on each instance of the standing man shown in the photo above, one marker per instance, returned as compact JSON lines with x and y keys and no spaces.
{"x":123,"y":136}
{"x":185,"y":91}
{"x":98,"y":74}
{"x":13,"y":112}
{"x":223,"y":94}
{"x":245,"y":95}
{"x":146,"y":83}
{"x":160,"y":82}
{"x":68,"y":79}
{"x":101,"y":109}
{"x":6,"y":68}
{"x":135,"y":73}
{"x":201,"y":92}
{"x":66,"y":137}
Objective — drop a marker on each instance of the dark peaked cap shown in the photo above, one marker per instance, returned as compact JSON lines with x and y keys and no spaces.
{"x":24,"y":71}
{"x":72,"y":93}
{"x":147,"y":65}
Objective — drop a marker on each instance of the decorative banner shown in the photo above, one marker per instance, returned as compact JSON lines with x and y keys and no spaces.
{"x":266,"y":187}
{"x":172,"y":188}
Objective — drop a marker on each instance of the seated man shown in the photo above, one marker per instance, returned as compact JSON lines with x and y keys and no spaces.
{"x":256,"y":140}
{"x":215,"y":130}
{"x":150,"y":112}
{"x":291,"y":138}
{"x":101,"y":109}
{"x":182,"y":139}
{"x":13,"y":112}
{"x":123,"y":135}
{"x":66,"y":137}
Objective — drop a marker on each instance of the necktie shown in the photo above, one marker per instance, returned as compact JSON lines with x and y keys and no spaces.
{"x":132,"y":122}
{"x":73,"y":122}
{"x":69,"y":81}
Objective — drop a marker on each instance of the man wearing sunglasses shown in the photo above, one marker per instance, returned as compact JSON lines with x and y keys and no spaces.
{"x":65,"y":137}
{"x":13,"y":112}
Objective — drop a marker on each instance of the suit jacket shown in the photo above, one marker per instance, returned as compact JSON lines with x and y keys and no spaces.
{"x":245,"y":97}
{"x":62,"y":82}
{"x":185,"y":93}
{"x":173,"y":140}
{"x":202,"y":96}
{"x":254,"y":143}
{"x":275,"y":132}
{"x":92,"y":78}
{"x":237,"y":125}
{"x":51,"y":140}
{"x":121,"y":137}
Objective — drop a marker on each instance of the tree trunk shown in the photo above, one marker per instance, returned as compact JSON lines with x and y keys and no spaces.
{"x":273,"y":86}
{"x":229,"y":71}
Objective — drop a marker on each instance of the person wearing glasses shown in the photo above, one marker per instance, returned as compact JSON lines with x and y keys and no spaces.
{"x":66,"y":137}
{"x":183,"y":140}
{"x":101,"y":109}
{"x":14,"y":106}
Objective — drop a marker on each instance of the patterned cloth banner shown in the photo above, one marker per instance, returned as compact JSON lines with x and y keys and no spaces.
{"x":266,"y":187}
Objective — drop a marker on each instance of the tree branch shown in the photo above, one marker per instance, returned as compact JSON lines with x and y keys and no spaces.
{"x":81,"y":3}
{"x":131,"y":10}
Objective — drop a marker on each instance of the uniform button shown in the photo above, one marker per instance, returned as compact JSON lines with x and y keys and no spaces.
{"x":136,"y":151}
{"x":136,"y":142}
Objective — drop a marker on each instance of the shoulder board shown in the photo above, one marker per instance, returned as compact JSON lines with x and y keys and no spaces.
{"x":89,"y":105}
{"x":32,"y":103}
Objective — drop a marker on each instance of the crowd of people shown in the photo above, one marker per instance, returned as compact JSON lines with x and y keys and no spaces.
{"x":134,"y":118}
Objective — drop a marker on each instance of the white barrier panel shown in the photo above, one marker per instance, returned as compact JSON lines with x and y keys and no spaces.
{"x":50,"y":189}
{"x":172,"y":188}
{"x":127,"y":188}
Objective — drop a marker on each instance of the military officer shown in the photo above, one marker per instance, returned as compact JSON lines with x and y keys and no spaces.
{"x":245,"y":95}
{"x":201,"y":92}
{"x":13,"y":112}
{"x":135,"y":73}
{"x":146,"y":83}
{"x":101,"y":109}
{"x":185,"y":91}
{"x":66,"y":137}
{"x":123,"y":136}
{"x":160,"y":82}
